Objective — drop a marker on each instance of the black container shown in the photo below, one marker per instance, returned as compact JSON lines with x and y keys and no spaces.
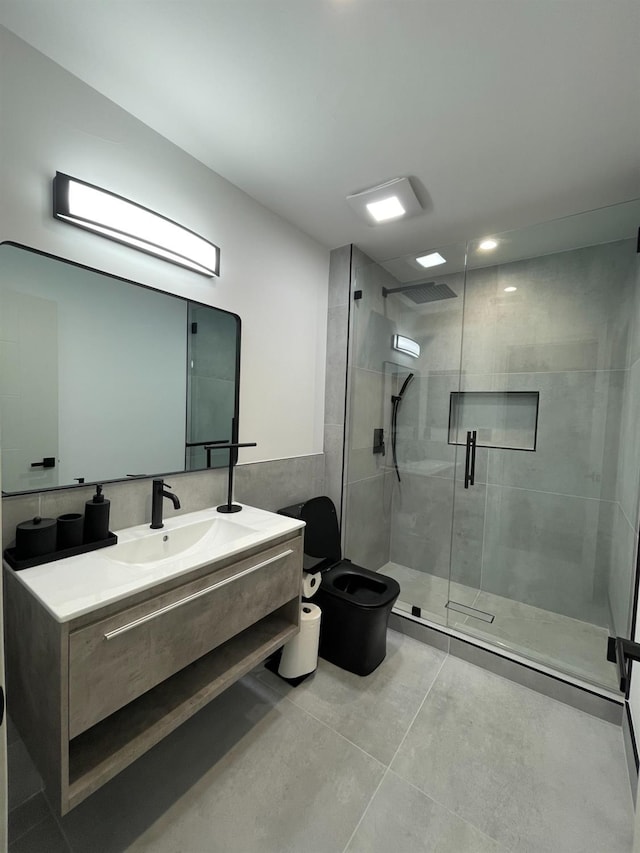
{"x":70,"y":530}
{"x":35,"y":537}
{"x":96,"y":518}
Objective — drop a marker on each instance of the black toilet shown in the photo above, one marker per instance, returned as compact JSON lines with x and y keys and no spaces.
{"x":355,"y":601}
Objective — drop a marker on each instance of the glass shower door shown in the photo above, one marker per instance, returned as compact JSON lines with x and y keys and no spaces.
{"x":405,"y":342}
{"x":538,"y":522}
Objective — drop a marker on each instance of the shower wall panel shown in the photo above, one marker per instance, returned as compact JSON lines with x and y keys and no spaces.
{"x":550,"y":513}
{"x":336,"y":371}
{"x":368,"y":483}
{"x":624,"y":544}
{"x":538,"y":527}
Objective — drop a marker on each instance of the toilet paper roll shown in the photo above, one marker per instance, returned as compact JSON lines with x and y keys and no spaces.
{"x":310,"y":583}
{"x":300,"y":654}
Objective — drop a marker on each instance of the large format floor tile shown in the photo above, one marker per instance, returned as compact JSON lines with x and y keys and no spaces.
{"x":480,"y":765}
{"x":251,"y":772}
{"x":402,"y":819}
{"x":530,"y":772}
{"x":373,"y":712}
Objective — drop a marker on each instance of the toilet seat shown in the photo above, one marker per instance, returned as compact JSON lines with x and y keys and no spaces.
{"x":359,"y":586}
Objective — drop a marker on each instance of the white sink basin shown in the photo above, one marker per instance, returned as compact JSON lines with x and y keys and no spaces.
{"x":169,"y":543}
{"x":143,"y":557}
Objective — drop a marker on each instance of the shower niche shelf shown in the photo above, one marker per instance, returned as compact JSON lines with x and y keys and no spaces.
{"x":504,"y":420}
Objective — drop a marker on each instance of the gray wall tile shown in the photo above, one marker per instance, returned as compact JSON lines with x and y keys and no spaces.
{"x":367,"y":521}
{"x":629,"y":458}
{"x":336,"y":372}
{"x":577,"y":438}
{"x":333,"y":447}
{"x":540,"y":549}
{"x":339,"y":276}
{"x":564,"y":315}
{"x":624,"y":545}
{"x":422,"y":523}
{"x":633,"y":353}
{"x":268,"y":485}
{"x":280,"y":482}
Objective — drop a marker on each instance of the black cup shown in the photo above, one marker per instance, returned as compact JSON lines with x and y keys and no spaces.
{"x":70,"y":527}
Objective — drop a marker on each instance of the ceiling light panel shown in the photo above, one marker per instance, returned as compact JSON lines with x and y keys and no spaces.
{"x":433,"y":259}
{"x":387,"y":208}
{"x":386,"y":202}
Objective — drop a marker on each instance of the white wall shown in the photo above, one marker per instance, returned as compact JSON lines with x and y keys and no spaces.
{"x":272,"y":275}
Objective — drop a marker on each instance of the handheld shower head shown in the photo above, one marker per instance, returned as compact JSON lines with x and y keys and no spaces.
{"x":397,"y":397}
{"x":395,"y":405}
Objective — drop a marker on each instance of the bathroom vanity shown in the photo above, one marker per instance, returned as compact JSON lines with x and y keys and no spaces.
{"x":109,"y":652}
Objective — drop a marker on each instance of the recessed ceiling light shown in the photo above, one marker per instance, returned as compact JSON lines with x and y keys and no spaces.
{"x":386,"y":202}
{"x":488,"y":244}
{"x":431,"y":260}
{"x":510,"y":289}
{"x":386,"y":208}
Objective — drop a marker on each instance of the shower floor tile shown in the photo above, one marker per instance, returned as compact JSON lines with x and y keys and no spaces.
{"x":428,"y":592}
{"x":556,"y":640}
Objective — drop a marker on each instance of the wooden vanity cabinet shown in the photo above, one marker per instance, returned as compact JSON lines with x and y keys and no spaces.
{"x":91,"y":695}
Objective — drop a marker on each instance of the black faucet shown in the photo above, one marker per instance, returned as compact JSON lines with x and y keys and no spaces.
{"x":158,"y":494}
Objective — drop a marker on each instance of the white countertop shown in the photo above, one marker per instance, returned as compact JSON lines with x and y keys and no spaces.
{"x":76,"y":585}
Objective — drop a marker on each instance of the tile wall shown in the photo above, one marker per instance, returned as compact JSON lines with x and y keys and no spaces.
{"x":369,"y":481}
{"x":546,"y":527}
{"x":268,"y":485}
{"x":555,"y":528}
{"x":624,"y":540}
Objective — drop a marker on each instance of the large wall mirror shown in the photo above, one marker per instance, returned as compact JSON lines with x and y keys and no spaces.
{"x":103,"y":379}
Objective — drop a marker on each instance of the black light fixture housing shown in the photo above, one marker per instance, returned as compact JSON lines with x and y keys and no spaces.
{"x":117,"y":218}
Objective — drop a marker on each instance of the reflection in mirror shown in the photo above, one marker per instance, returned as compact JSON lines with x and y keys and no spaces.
{"x":103,"y":379}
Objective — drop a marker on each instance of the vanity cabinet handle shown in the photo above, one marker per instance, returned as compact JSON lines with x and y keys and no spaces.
{"x":130,"y":625}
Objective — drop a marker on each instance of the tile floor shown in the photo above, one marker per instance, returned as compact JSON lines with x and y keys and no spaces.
{"x":561,"y":642}
{"x":429,"y":753}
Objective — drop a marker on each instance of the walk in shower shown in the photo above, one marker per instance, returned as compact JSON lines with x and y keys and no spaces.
{"x":503,"y":491}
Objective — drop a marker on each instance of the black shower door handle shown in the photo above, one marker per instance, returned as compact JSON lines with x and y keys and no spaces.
{"x":467,"y":462}
{"x":472,"y":471}
{"x":470,"y":459}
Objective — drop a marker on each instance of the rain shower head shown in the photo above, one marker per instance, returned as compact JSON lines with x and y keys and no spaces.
{"x":424,"y":291}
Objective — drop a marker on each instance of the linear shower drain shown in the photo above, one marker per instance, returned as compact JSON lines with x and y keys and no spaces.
{"x":470,"y":611}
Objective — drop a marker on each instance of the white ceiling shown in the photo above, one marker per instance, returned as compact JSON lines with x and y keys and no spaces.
{"x":502,"y":112}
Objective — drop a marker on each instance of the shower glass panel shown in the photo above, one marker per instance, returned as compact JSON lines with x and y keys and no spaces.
{"x":503,"y":494}
{"x":406,"y":329}
{"x":547,"y":342}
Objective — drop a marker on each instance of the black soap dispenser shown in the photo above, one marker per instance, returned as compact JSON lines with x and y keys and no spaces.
{"x":96,"y":518}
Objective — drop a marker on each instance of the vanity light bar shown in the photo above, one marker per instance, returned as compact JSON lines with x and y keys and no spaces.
{"x":406,"y":345}
{"x":124,"y":221}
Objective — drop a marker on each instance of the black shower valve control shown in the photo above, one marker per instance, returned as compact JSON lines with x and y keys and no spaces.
{"x":378,"y":441}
